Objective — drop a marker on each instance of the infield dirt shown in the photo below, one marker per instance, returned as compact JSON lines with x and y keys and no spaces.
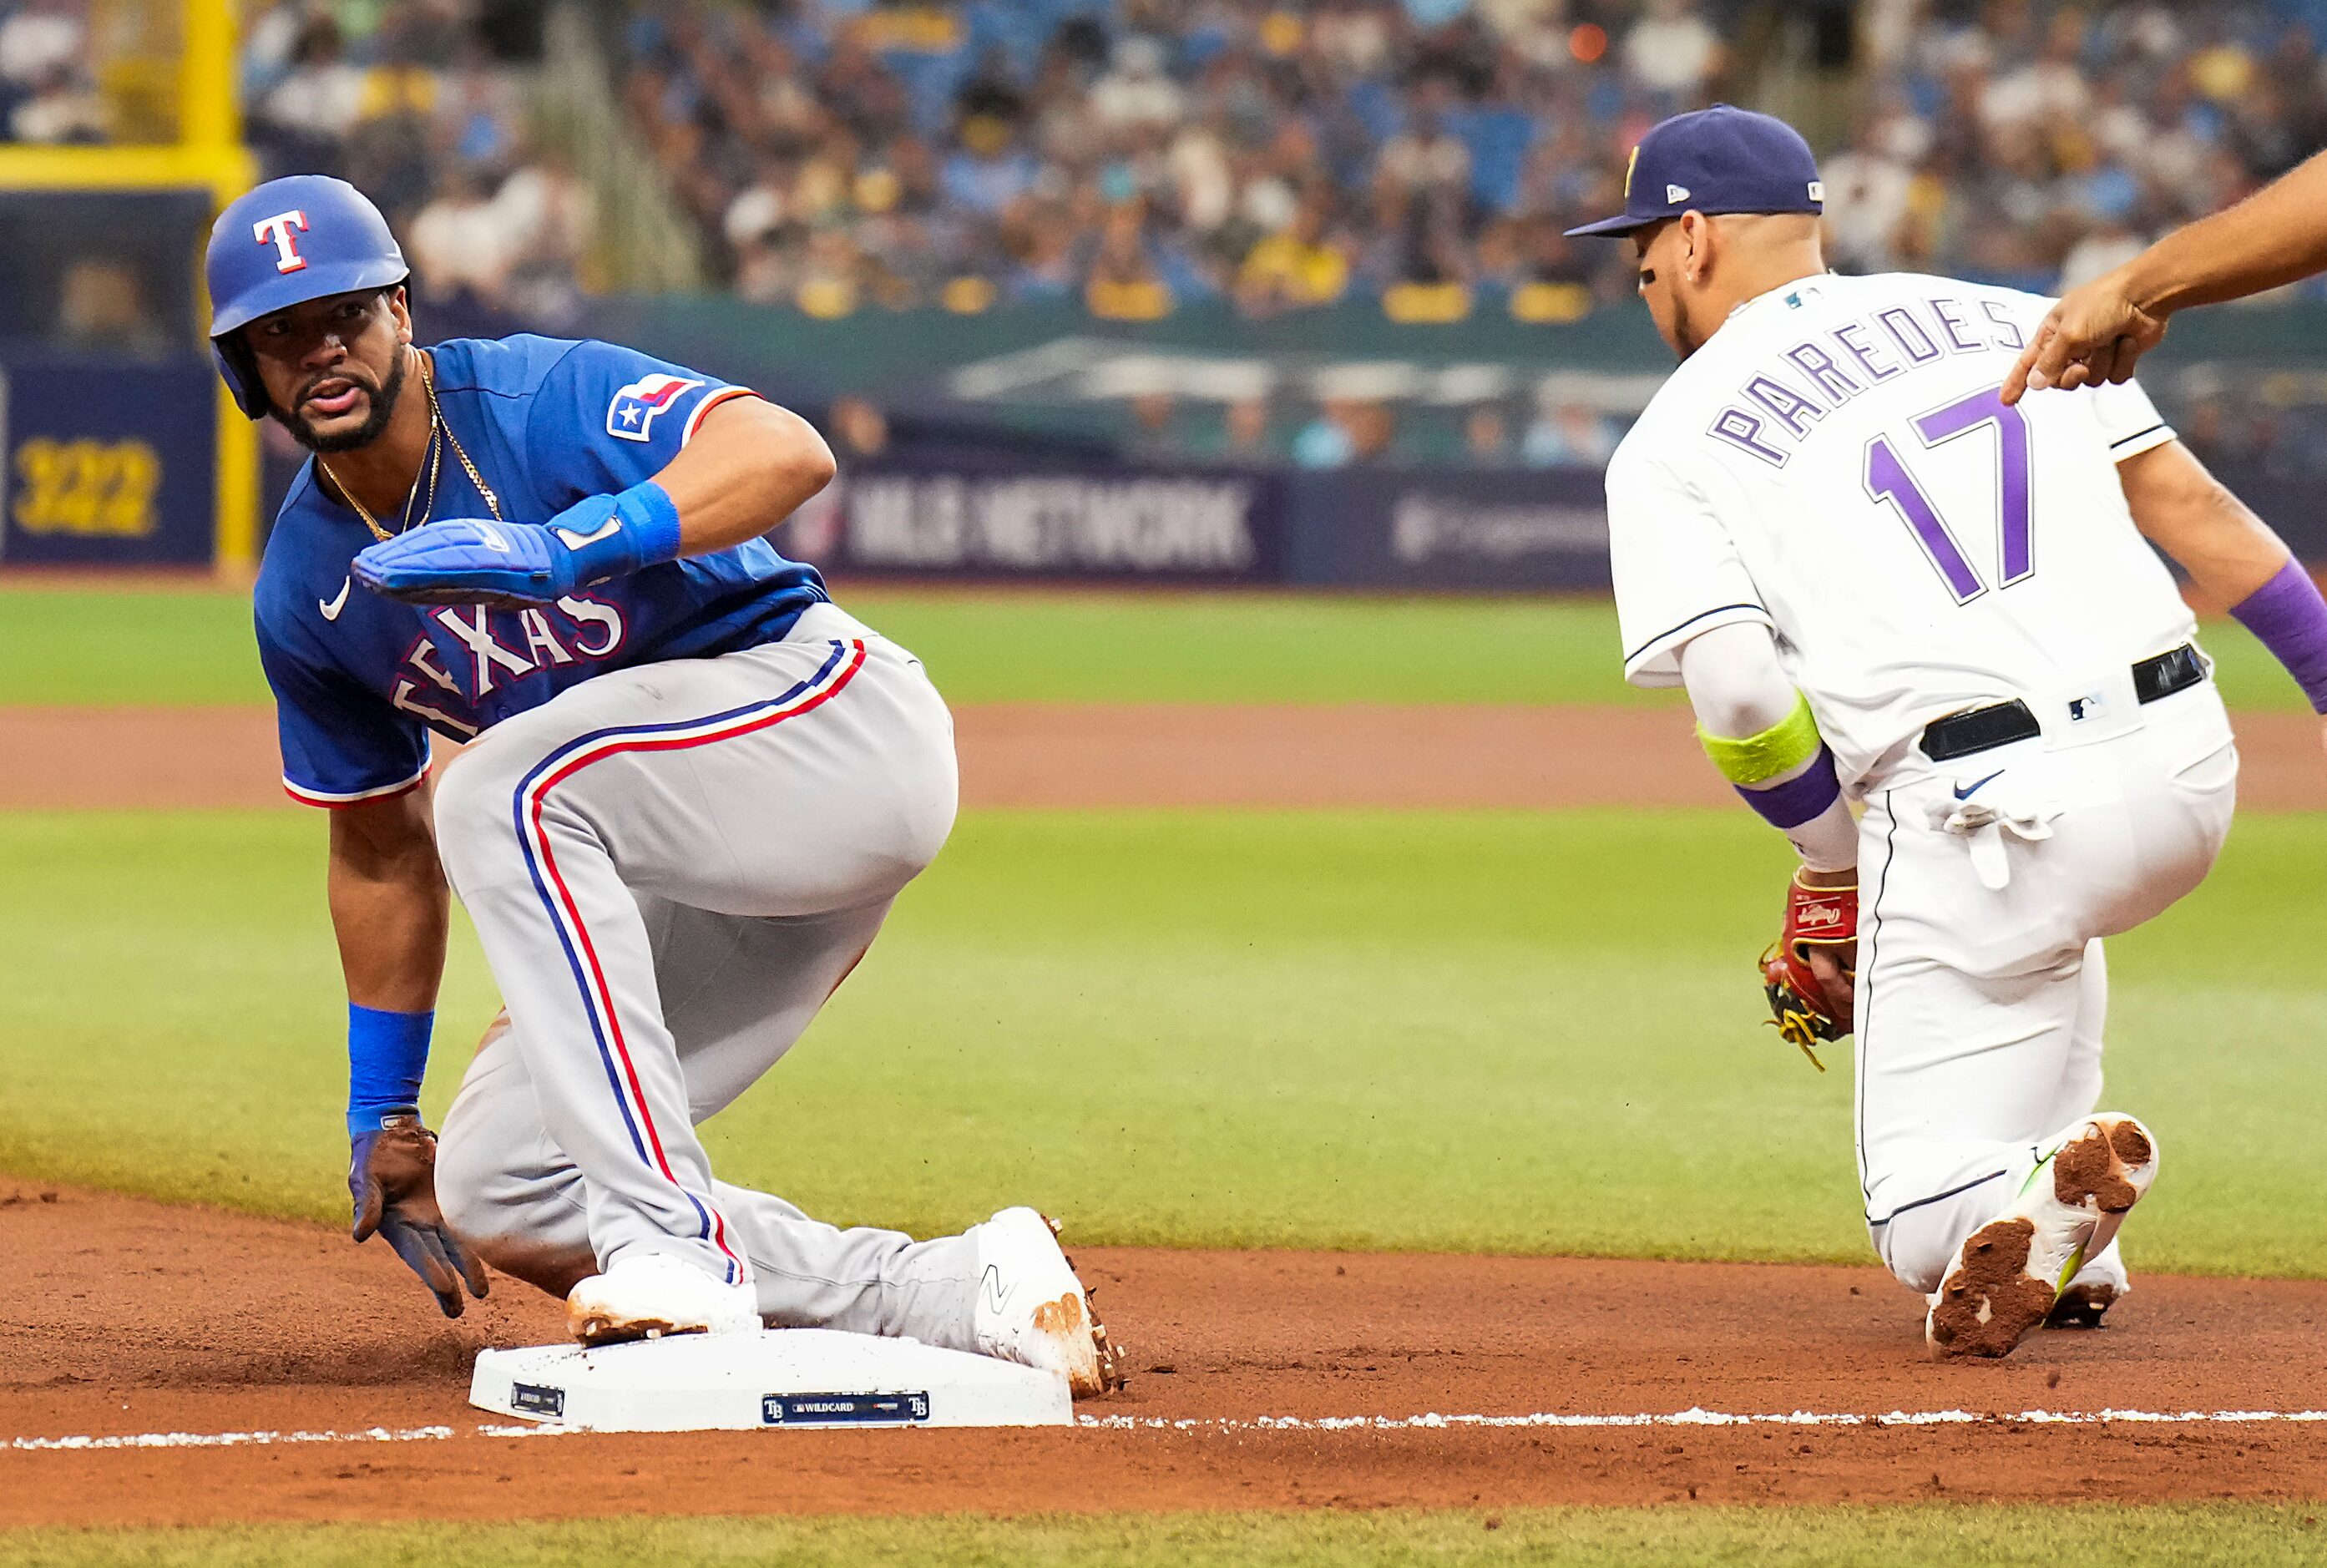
{"x":124,"y":1317}
{"x":1081,"y":755}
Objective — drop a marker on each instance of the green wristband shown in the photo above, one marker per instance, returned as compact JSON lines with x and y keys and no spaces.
{"x":1781,"y":748}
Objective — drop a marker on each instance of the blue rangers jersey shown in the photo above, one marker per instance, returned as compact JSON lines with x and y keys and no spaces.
{"x":361,"y":680}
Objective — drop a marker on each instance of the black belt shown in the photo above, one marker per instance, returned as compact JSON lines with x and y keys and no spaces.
{"x":2001,"y":723}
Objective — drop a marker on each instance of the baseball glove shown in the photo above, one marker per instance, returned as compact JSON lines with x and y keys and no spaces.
{"x":1806,"y":1010}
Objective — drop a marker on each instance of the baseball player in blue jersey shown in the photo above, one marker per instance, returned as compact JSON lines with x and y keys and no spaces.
{"x":692,"y":787}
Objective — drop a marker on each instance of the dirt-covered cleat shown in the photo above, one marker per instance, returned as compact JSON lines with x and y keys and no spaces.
{"x":2083,"y":1305}
{"x":1032,"y":1309}
{"x":645,"y":1295}
{"x":2011,"y":1273}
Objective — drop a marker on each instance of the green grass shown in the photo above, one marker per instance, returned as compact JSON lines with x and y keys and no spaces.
{"x":187,"y":647}
{"x":2090,"y":1535}
{"x":1529,"y":1033}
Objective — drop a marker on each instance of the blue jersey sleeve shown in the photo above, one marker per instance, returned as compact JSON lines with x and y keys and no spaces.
{"x":607,"y":418}
{"x":340,"y":743}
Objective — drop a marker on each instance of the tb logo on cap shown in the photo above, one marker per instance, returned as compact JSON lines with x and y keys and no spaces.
{"x":278,"y":231}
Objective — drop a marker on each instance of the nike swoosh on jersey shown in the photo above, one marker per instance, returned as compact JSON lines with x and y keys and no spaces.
{"x":604,"y":530}
{"x":331,"y":607}
{"x":1965,"y":794}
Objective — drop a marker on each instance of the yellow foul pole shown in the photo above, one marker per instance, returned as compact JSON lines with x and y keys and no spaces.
{"x":211,"y":126}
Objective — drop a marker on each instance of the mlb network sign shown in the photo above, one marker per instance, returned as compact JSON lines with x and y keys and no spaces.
{"x":1206,"y":527}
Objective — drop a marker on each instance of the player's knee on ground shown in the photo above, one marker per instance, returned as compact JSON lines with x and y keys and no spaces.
{"x":466,"y":1169}
{"x":482,"y":1202}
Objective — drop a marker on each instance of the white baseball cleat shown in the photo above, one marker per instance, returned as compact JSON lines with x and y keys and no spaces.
{"x":2088,"y":1297}
{"x":1033,"y":1309}
{"x":2010,"y":1273}
{"x":644,"y":1295}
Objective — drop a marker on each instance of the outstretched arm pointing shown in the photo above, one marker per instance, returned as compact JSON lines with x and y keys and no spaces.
{"x":2098,"y":332}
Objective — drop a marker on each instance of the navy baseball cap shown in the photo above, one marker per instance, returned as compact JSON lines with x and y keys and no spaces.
{"x":1723,"y":159}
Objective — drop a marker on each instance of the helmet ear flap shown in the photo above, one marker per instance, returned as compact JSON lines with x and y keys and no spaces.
{"x":239,"y":366}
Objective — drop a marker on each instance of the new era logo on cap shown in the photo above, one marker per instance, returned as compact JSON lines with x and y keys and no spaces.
{"x":1718,"y":160}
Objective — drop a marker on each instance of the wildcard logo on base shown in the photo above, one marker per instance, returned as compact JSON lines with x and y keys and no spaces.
{"x":844,"y":1409}
{"x":631,"y":415}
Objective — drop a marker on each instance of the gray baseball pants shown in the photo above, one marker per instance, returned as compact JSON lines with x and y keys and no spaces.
{"x":671,"y":868}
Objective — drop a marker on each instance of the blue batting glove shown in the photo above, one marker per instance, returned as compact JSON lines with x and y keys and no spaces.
{"x":476,"y":561}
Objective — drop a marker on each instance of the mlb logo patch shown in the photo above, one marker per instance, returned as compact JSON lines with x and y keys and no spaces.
{"x":631,"y":415}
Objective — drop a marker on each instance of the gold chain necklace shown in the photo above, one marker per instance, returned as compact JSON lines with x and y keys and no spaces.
{"x":439,"y":434}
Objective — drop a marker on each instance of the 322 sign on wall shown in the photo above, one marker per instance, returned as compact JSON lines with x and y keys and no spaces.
{"x":107,"y":461}
{"x":93,"y":489}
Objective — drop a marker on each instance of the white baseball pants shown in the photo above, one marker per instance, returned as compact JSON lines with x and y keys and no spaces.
{"x":1986,"y":888}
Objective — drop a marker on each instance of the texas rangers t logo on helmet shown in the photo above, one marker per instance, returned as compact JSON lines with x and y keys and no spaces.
{"x":278,"y":231}
{"x":632,"y":412}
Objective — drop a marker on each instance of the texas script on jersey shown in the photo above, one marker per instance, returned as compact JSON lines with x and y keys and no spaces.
{"x":496,"y":648}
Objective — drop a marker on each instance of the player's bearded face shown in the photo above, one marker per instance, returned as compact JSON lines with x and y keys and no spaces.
{"x":1661,"y":249}
{"x":333,"y":367}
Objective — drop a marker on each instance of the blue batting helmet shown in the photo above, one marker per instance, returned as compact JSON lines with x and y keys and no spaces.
{"x":290,"y":240}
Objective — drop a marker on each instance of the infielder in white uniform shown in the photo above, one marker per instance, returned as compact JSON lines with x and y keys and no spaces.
{"x":1881,"y":586}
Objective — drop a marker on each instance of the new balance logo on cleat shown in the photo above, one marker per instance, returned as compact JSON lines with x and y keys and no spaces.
{"x":993,"y":1295}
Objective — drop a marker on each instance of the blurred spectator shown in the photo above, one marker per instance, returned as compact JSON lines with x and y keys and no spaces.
{"x":1136,"y":92}
{"x":460,"y":240}
{"x":1486,"y":438}
{"x":2109,"y":246}
{"x":1346,"y":430}
{"x":1245,"y":429}
{"x":857,"y":426}
{"x":317,"y":100}
{"x":1297,"y":266}
{"x":1867,"y":186}
{"x":1568,"y":434}
{"x":101,"y":306}
{"x":59,"y":108}
{"x":1671,"y":49}
{"x":1322,"y":442}
{"x":40,"y":38}
{"x":1153,"y":435}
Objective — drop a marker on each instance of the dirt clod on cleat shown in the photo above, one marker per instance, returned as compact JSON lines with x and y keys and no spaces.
{"x":1989,"y":1303}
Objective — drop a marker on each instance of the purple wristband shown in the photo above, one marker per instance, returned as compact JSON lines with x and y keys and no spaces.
{"x":1801,"y":798}
{"x":2289,"y":618}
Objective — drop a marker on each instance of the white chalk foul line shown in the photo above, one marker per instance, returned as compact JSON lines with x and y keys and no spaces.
{"x":1430,"y":1422}
{"x":227,"y":1439}
{"x":1695,"y":1417}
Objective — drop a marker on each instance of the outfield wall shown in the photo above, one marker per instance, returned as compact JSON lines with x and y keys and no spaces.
{"x":1003,"y":426}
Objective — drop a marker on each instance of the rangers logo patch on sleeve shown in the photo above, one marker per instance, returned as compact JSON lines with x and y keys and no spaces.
{"x":631,"y":415}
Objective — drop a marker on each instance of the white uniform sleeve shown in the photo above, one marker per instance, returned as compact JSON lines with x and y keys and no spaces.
{"x":2129,"y":420}
{"x":1737,"y":689}
{"x":1676,"y":572}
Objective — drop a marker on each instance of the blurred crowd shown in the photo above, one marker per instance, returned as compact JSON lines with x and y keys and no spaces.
{"x":408,"y":101}
{"x":1132,"y":158}
{"x":1140,"y":154}
{"x":1136,"y":154}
